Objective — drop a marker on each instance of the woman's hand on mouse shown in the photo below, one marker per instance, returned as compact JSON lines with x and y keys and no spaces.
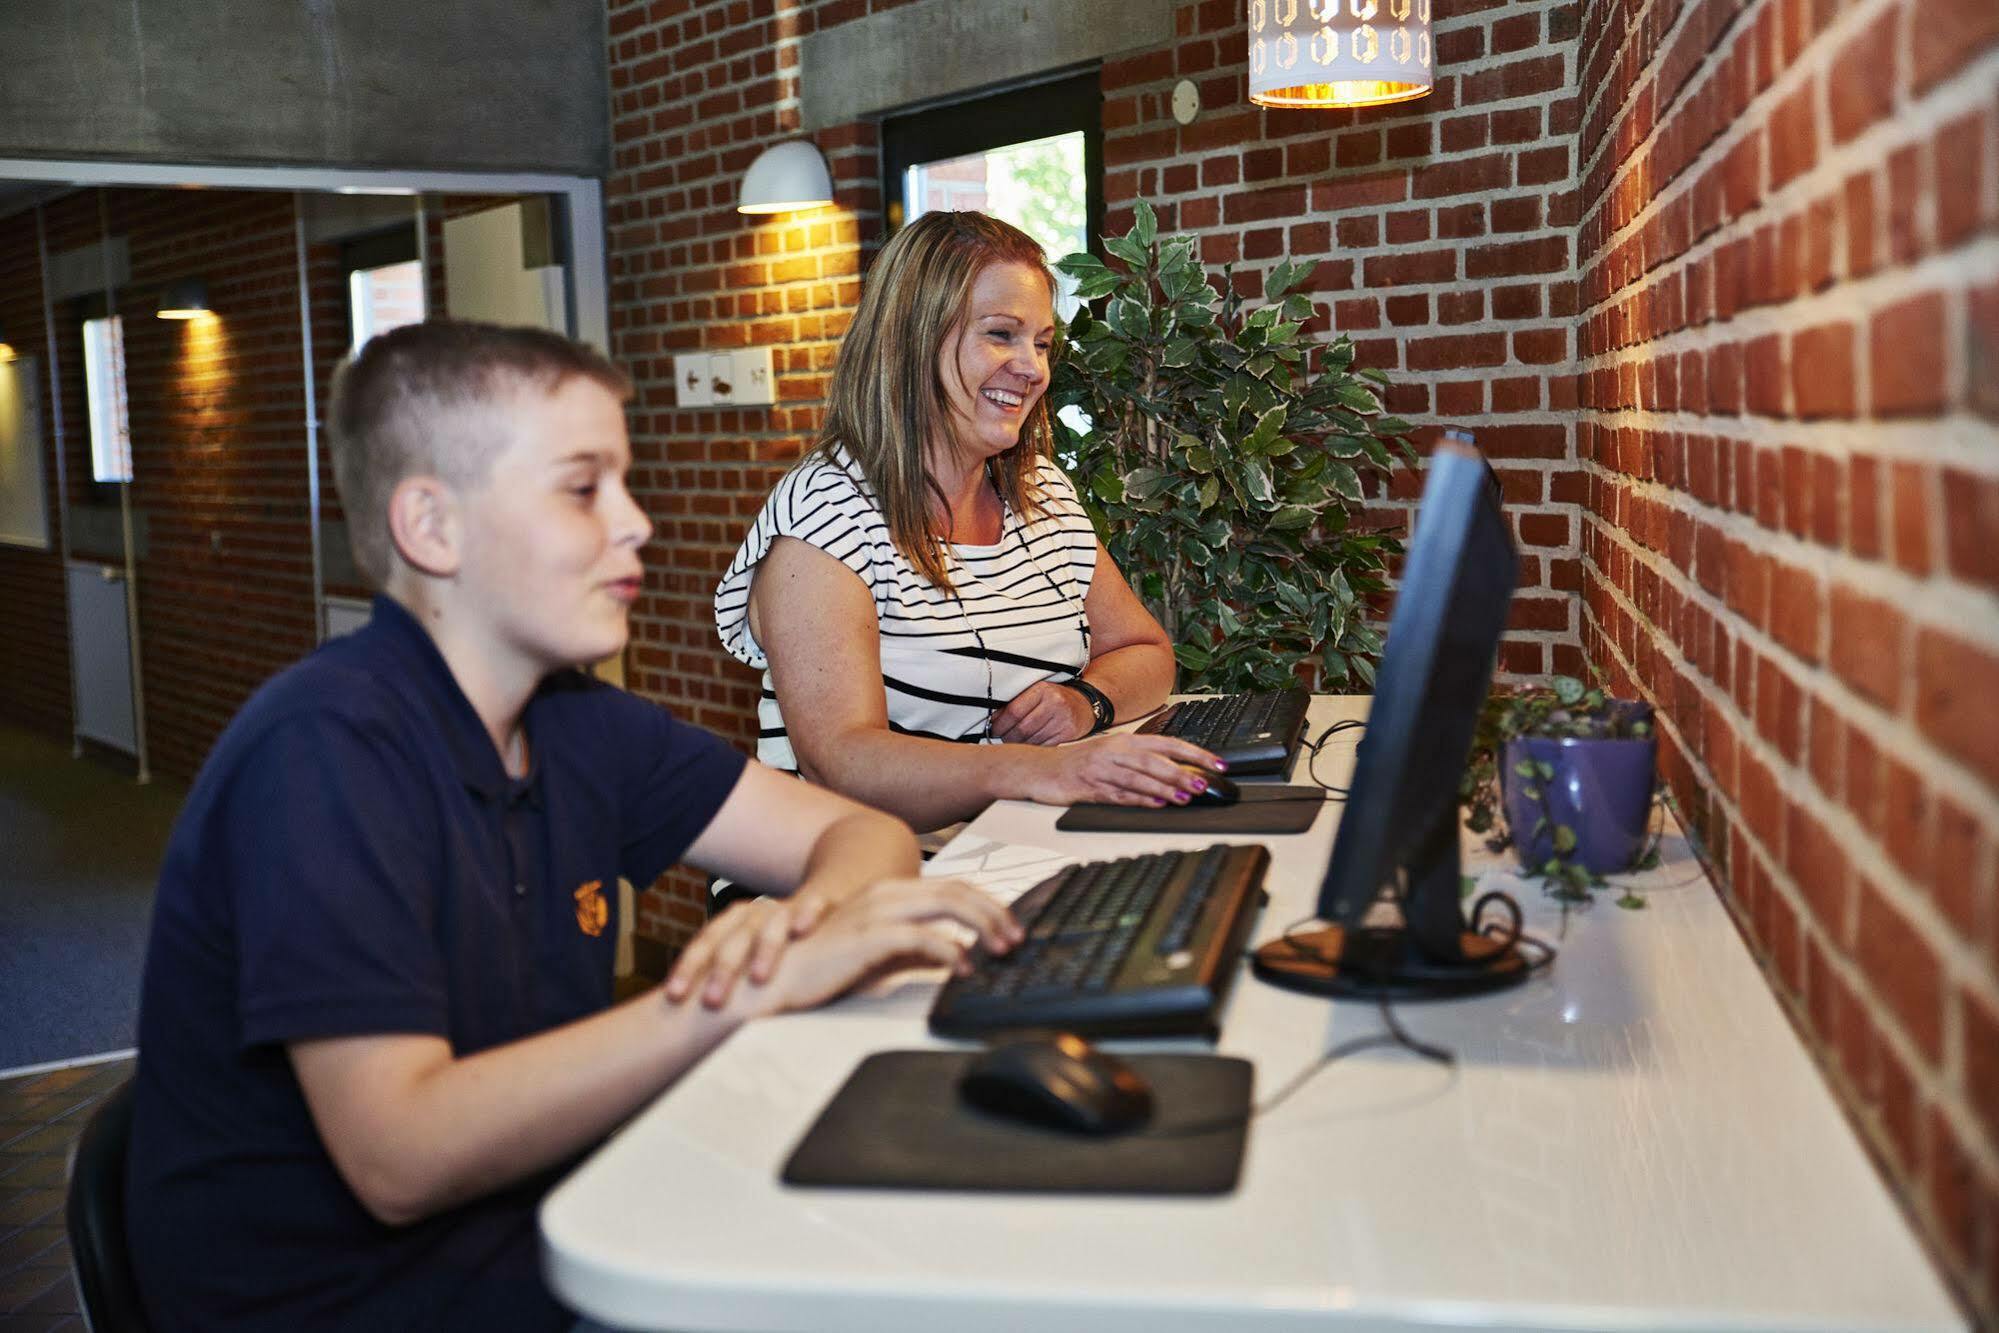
{"x":1044,"y":714}
{"x":1124,"y":769}
{"x":893,"y":923}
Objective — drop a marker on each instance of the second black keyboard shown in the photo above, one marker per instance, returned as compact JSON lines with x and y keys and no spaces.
{"x":1254,"y":733}
{"x":1146,"y":944}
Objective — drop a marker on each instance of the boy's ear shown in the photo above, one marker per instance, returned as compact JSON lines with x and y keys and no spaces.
{"x":424,"y":525}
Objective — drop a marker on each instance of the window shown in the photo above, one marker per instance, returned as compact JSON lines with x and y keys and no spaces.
{"x":104,"y":387}
{"x":384,"y":298}
{"x":384,"y":282}
{"x":1032,"y":156}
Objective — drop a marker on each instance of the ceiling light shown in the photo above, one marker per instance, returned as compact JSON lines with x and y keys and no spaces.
{"x":1332,"y":53}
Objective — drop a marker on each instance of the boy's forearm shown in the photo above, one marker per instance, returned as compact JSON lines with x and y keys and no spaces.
{"x":462,"y":1128}
{"x":855,"y":851}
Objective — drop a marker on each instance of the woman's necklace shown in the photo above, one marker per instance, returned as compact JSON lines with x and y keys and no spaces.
{"x":985,"y":654}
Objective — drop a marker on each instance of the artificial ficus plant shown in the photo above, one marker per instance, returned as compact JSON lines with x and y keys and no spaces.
{"x":1223,"y":461}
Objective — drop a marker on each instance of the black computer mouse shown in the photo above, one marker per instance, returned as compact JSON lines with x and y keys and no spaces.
{"x":1220,"y":790}
{"x":1057,"y":1080}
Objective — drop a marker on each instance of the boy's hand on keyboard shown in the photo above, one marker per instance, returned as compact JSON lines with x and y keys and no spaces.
{"x":891,"y":924}
{"x":1126,"y":769}
{"x":1044,"y":714}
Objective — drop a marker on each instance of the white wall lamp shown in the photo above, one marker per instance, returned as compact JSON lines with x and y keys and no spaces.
{"x":1332,"y":53}
{"x":786,"y":178}
{"x":185,"y":298}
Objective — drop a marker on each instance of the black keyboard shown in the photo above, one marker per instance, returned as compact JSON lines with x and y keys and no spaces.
{"x":1147,"y":944}
{"x":1253,"y":733}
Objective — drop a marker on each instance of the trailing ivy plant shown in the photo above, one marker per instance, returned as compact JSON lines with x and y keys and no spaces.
{"x":1564,"y":707}
{"x":1223,"y":461}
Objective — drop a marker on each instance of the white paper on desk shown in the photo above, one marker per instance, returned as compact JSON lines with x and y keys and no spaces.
{"x":1004,"y":870}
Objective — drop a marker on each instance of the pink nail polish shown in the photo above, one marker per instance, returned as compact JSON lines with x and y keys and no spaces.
{"x":1221,"y":765}
{"x":1199,"y":784}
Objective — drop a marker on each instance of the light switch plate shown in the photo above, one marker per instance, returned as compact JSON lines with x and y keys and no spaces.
{"x":690,"y":379}
{"x":722,"y":378}
{"x":755,"y":381}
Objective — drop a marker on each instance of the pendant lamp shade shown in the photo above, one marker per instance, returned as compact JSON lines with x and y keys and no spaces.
{"x":1329,"y":53}
{"x":785,"y":178}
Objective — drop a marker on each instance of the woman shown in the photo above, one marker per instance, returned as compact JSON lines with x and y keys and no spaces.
{"x":926,"y":576}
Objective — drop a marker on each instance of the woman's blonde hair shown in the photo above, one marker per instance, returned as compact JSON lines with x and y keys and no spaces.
{"x":887,"y":399}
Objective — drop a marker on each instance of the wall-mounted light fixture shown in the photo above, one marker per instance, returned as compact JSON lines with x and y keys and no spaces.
{"x":1330,"y":53}
{"x":6,"y":348}
{"x":184,"y":298}
{"x":785,"y":178}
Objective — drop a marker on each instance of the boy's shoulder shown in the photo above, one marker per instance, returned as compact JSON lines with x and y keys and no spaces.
{"x":333,"y":683}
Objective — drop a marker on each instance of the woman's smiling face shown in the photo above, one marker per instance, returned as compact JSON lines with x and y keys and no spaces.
{"x":995,"y":364}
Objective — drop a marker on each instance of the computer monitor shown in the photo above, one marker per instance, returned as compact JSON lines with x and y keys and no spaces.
{"x":1391,"y":891}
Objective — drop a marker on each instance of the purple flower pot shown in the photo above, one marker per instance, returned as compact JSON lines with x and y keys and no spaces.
{"x":1602,"y":789}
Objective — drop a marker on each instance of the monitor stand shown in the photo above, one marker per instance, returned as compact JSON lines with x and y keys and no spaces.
{"x":1428,"y":954}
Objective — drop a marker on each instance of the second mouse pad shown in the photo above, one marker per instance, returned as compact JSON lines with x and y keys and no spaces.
{"x":1261,"y":809}
{"x":898,"y":1123}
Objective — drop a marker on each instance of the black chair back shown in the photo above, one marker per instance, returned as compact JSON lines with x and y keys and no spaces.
{"x":96,"y":1219}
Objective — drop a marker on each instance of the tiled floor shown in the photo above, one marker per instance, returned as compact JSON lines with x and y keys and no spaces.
{"x":40,"y":1117}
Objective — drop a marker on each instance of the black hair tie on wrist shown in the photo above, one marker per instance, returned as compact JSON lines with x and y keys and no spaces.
{"x":1101,"y":707}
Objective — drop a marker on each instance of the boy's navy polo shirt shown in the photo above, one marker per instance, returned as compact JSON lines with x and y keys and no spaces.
{"x":354,"y":860}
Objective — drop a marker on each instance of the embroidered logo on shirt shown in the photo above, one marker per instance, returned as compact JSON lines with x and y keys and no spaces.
{"x":593,"y":913}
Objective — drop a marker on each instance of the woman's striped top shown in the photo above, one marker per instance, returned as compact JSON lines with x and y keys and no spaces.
{"x":948,"y":661}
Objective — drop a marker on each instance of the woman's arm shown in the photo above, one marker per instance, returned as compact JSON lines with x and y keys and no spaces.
{"x":1131,"y":661}
{"x":817,"y":624}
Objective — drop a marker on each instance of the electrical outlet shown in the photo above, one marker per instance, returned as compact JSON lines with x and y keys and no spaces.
{"x":755,"y":382}
{"x":690,"y":379}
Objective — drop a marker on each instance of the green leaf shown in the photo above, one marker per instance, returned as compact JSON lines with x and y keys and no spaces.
{"x":1256,"y":481}
{"x":1344,"y":480}
{"x":1524,"y":768}
{"x":1267,"y":427}
{"x":1145,"y":224}
{"x":1129,"y":251}
{"x":1565,"y":839}
{"x":1290,"y":518}
{"x":1567,"y":688}
{"x":1192,"y":656}
{"x":1096,"y":285}
{"x":1142,"y":483}
{"x":1285,"y":274}
{"x":1359,"y":397}
{"x":1630,"y":901}
{"x":1211,"y":490}
{"x":1128,"y":318}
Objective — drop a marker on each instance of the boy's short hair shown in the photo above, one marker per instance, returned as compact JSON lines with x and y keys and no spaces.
{"x":418,"y":400}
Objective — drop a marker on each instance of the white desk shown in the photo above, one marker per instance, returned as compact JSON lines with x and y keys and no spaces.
{"x":1632,"y":1140}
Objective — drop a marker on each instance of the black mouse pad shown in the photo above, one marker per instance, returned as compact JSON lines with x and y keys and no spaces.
{"x":1261,"y":809}
{"x":898,"y":1123}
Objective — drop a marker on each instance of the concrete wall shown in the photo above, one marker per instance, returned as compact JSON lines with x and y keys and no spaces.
{"x":503,"y":85}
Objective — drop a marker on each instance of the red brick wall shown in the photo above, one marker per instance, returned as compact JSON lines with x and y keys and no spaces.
{"x":1444,"y":226}
{"x":217,"y":414}
{"x":1789,"y":346}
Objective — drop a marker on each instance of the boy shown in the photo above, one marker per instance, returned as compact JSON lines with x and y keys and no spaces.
{"x":376,"y":1020}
